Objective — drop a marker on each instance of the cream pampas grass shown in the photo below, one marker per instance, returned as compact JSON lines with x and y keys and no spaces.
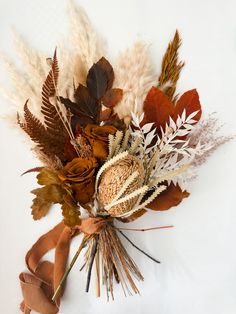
{"x":88,"y":47}
{"x":76,"y":54}
{"x":134,"y":74}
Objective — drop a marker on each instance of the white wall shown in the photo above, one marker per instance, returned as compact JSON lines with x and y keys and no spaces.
{"x":198,"y":270}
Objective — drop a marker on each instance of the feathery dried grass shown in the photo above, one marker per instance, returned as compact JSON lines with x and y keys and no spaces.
{"x":135,"y":76}
{"x":171,"y":67}
{"x":87,"y":46}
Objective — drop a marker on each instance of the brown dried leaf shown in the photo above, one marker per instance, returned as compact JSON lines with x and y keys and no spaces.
{"x":172,"y":196}
{"x":70,"y":212}
{"x":40,"y":208}
{"x":112,"y":97}
{"x":86,"y":104}
{"x":45,"y":197}
{"x":48,"y":176}
{"x":105,"y":114}
{"x":100,"y":78}
{"x":190,"y":102}
{"x":157,"y":108}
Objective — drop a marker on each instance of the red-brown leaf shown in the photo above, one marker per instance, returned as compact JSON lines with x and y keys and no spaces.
{"x":172,"y":196}
{"x":190,"y":102}
{"x":100,"y":78}
{"x":107,"y":68}
{"x":157,"y":108}
{"x":105,"y":114}
{"x":112,"y":97}
{"x":70,"y":151}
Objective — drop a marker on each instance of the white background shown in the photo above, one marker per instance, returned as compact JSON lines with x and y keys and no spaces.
{"x":198,"y":270}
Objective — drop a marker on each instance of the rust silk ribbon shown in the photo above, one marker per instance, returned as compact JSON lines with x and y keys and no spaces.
{"x":39,"y":284}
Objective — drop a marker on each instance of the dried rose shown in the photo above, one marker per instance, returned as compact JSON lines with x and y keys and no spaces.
{"x":98,"y":138}
{"x":79,"y":176}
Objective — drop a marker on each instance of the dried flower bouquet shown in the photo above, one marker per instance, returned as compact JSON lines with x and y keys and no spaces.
{"x":114,"y":143}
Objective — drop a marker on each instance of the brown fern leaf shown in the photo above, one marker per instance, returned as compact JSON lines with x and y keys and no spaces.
{"x":39,"y":134}
{"x":53,"y":121}
{"x":32,"y":126}
{"x":171,"y":67}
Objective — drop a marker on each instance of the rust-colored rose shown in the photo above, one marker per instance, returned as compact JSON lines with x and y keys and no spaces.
{"x":98,"y":138}
{"x":79,"y":175}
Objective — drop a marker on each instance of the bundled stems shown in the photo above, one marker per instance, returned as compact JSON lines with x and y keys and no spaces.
{"x":116,"y":264}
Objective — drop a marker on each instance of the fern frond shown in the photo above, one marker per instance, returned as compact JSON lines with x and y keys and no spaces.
{"x":53,"y":115}
{"x":32,"y":126}
{"x":39,"y":134}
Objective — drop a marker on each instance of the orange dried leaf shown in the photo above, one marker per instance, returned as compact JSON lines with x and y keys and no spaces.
{"x":172,"y":196}
{"x":45,"y":197}
{"x":70,"y":212}
{"x":112,"y":97}
{"x":48,"y":176}
{"x":157,"y":108}
{"x":105,"y":114}
{"x":40,"y":208}
{"x":190,"y":102}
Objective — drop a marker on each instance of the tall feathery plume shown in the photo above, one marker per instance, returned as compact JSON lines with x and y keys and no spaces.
{"x":88,"y":48}
{"x":33,"y":60}
{"x":26,"y":83}
{"x":22,"y":88}
{"x":36,"y":69}
{"x":171,"y":67}
{"x":134,"y":74}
